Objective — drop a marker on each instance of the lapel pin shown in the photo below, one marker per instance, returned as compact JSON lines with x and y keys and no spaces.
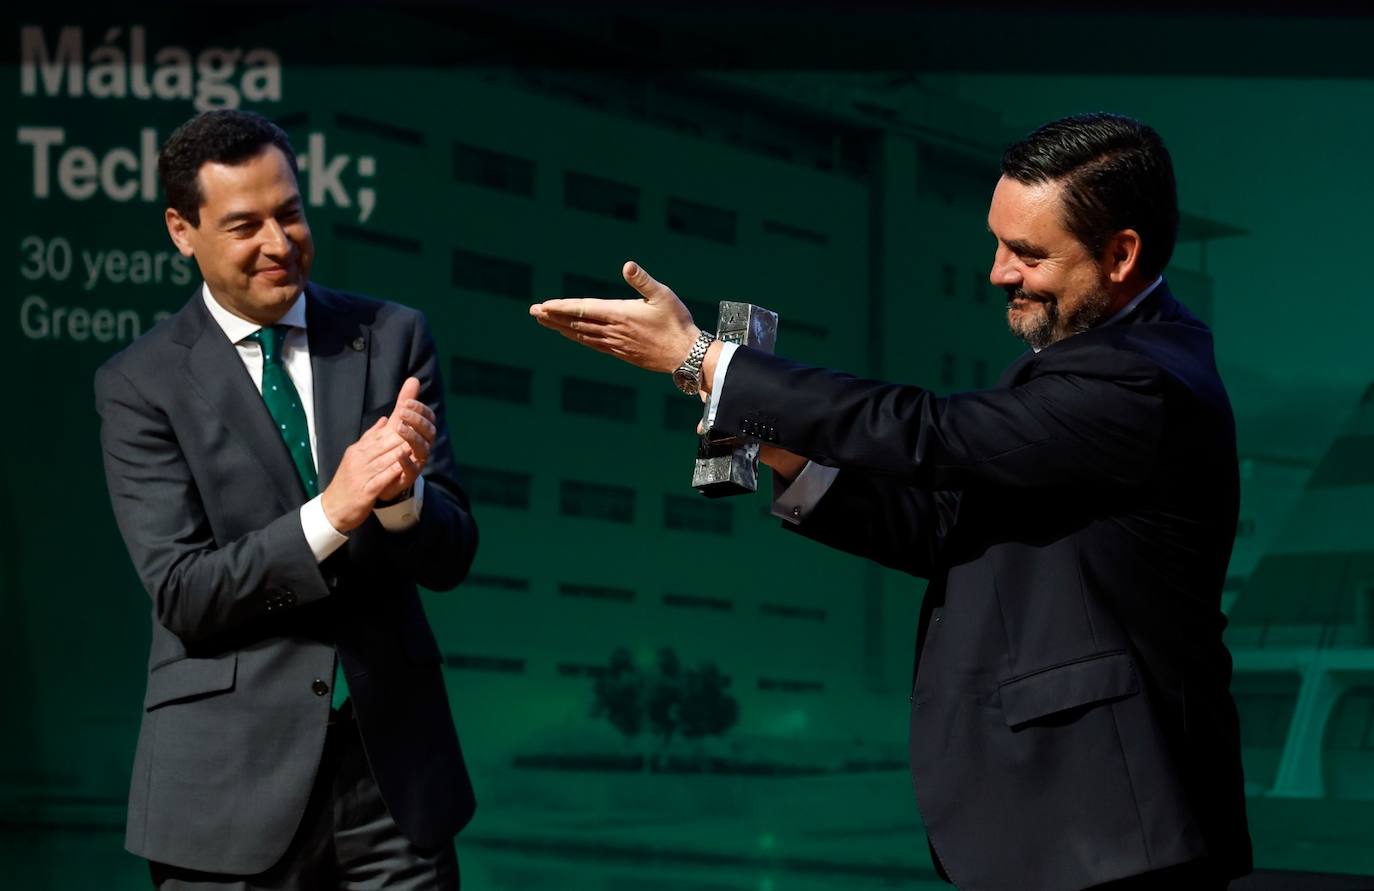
{"x":358,"y":344}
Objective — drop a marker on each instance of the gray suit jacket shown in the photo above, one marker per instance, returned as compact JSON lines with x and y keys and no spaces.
{"x":245,"y":622}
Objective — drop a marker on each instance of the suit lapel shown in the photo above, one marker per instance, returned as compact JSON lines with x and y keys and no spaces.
{"x":339,"y":347}
{"x":217,"y":373}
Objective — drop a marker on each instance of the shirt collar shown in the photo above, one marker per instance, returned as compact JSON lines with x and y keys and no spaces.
{"x":1136,"y":301}
{"x":1130,"y":307}
{"x":237,"y":329}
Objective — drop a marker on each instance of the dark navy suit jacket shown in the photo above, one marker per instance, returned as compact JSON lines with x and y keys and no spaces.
{"x":244,"y":620}
{"x":1071,"y":719}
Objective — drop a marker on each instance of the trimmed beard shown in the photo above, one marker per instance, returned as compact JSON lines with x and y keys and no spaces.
{"x":1051,"y":328}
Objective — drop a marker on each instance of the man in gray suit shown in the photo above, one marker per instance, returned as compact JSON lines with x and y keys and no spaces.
{"x":279,"y":466}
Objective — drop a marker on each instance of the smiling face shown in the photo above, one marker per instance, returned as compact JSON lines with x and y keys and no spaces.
{"x":1055,"y":286}
{"x":253,"y":243}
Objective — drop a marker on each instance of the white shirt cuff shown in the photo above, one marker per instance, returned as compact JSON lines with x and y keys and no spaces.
{"x":320,"y":534}
{"x":794,"y":502}
{"x":402,"y":515}
{"x":727,"y":352}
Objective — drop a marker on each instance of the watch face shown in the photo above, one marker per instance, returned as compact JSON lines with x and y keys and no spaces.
{"x":686,"y":382}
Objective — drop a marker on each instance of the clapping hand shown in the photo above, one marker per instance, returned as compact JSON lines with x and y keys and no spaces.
{"x":413,"y":422}
{"x":383,"y":463}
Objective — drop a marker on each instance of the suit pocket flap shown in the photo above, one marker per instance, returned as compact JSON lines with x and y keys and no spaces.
{"x":188,"y":678}
{"x":1057,"y":689}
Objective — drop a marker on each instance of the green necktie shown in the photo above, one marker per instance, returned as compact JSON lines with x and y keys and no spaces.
{"x":284,"y":405}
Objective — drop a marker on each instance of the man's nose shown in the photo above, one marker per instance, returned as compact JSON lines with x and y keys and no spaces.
{"x":1004,"y":271}
{"x":275,"y":242}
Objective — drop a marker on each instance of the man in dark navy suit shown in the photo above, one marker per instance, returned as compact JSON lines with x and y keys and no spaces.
{"x":280,"y":468}
{"x":1072,"y":724}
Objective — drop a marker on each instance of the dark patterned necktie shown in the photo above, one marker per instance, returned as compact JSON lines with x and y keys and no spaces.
{"x":284,"y":404}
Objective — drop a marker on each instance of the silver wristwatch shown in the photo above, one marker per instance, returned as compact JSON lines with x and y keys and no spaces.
{"x":688,"y":374}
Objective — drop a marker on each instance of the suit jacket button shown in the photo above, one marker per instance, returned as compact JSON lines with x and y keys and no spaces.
{"x":319,"y":687}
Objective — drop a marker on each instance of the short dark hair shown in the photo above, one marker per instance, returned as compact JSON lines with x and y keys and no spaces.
{"x":223,"y":136}
{"x":1116,"y":175}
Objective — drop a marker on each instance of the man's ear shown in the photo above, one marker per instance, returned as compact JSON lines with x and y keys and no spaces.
{"x":180,"y":229}
{"x":1121,"y":255}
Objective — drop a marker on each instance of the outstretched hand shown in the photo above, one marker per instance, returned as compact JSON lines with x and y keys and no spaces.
{"x":655,"y":332}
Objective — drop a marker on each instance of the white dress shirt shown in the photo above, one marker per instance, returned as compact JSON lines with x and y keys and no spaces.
{"x":795,"y":500}
{"x":320,"y":534}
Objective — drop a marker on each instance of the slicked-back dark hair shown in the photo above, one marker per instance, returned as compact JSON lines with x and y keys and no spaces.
{"x":1116,"y":174}
{"x":223,"y":136}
